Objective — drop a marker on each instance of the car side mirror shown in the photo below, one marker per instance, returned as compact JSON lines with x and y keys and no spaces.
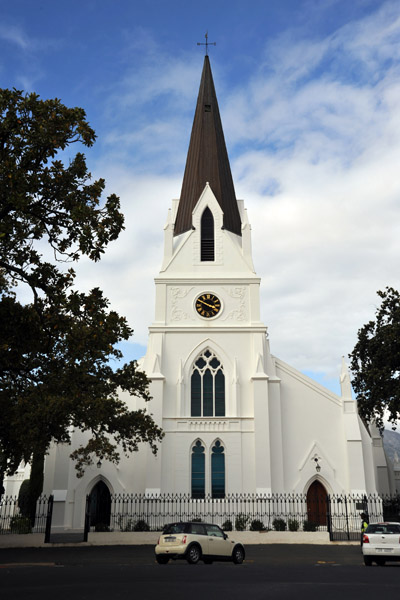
{"x":225,"y":536}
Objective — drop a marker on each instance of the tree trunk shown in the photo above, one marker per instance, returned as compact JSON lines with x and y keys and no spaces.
{"x":2,"y":488}
{"x":3,"y":465}
{"x":35,"y":483}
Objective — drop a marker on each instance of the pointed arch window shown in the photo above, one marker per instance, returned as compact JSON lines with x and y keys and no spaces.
{"x":207,"y":236}
{"x":217,"y":470}
{"x":207,"y":387}
{"x":198,"y":470}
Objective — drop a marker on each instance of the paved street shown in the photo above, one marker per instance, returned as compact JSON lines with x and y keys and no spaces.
{"x":270,"y":571}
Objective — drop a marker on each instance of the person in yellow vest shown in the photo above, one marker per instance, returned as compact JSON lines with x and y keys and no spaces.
{"x":364,"y":525}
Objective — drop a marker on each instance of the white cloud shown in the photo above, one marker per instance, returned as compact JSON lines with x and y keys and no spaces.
{"x":127,"y":270}
{"x":15,"y":35}
{"x":22,"y":55}
{"x":149,"y":111}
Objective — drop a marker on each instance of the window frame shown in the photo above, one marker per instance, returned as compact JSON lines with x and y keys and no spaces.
{"x":217,"y":491}
{"x":209,"y":489}
{"x":195,"y":491}
{"x":200,"y":390}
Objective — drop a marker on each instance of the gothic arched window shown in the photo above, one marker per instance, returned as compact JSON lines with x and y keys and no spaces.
{"x":217,"y":470}
{"x":207,"y":236}
{"x":207,"y":387}
{"x":198,"y":470}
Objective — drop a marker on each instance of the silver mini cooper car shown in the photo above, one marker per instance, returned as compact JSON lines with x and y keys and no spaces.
{"x":197,"y":541}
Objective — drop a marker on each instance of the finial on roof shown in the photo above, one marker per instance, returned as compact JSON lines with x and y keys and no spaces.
{"x":345,"y":383}
{"x":207,"y":43}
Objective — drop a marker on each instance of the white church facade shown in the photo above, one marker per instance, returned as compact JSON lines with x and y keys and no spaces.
{"x":237,"y":420}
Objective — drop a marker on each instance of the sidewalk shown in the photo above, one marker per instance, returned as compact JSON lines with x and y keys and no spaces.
{"x":36,"y":540}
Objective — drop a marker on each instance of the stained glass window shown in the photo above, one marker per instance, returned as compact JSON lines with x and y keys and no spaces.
{"x":207,"y":387}
{"x":218,"y":470}
{"x":198,"y":471}
{"x":196,"y":394}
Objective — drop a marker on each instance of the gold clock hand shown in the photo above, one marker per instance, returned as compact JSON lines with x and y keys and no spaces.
{"x":209,"y":305}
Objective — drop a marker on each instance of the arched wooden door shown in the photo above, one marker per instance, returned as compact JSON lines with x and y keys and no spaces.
{"x":317,"y":504}
{"x":100,"y":505}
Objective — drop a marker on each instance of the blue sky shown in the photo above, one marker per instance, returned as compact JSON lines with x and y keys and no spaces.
{"x":309,"y":94}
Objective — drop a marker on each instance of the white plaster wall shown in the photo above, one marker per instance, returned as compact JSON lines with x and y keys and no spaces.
{"x":311,"y":424}
{"x":12,"y":483}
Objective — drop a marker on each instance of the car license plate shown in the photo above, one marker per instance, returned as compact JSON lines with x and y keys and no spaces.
{"x":169,"y":539}
{"x":384,"y":549}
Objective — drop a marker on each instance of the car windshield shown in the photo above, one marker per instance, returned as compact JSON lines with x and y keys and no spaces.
{"x":175,"y":528}
{"x":383,"y":528}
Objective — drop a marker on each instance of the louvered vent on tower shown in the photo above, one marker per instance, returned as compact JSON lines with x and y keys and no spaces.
{"x":207,"y":235}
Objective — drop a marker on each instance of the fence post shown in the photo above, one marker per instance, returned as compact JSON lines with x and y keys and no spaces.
{"x":329,"y":517}
{"x":87,"y":519}
{"x":347,"y":518}
{"x":49,"y":517}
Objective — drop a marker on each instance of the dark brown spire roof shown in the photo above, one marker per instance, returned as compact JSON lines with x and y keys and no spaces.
{"x":207,"y":160}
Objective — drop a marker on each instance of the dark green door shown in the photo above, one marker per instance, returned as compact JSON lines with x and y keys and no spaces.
{"x":100,"y":506}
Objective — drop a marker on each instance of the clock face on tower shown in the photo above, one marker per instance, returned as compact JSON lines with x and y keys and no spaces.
{"x":208,"y":305}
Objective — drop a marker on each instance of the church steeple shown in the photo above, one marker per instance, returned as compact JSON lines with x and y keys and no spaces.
{"x":207,"y":161}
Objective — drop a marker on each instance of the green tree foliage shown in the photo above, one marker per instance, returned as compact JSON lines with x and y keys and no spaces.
{"x":375,"y":362}
{"x":56,"y":348}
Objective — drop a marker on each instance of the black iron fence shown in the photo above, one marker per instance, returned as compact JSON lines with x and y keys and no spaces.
{"x":12,"y":520}
{"x":340,"y":515}
{"x":344,"y":513}
{"x":337,"y":514}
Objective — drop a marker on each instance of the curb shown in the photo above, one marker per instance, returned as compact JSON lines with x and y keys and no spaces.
{"x":36,"y":540}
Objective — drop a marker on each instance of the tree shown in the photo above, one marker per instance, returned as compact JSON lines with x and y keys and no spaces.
{"x":55,"y":350}
{"x":375,"y":362}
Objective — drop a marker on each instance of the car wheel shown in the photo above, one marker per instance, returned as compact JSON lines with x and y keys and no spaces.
{"x":207,"y":561}
{"x":238,"y":555}
{"x":162,"y":560}
{"x":193,"y":554}
{"x":380,"y":562}
{"x":367,"y":561}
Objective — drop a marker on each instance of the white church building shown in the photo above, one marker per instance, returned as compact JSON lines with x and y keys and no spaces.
{"x":237,"y":419}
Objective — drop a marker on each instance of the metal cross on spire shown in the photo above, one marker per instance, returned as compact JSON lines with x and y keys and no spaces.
{"x":207,"y":43}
